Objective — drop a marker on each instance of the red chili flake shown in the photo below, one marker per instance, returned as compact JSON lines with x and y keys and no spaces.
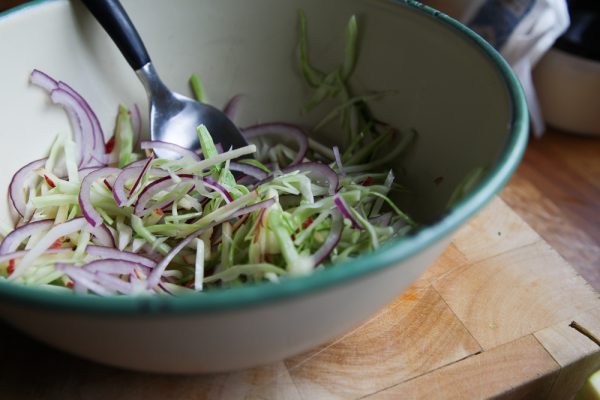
{"x":190,"y":284}
{"x":58,"y":243}
{"x":11,"y":267}
{"x":159,"y":211}
{"x":70,"y":285}
{"x":110,"y":145}
{"x":368,"y":181}
{"x":308,"y":222}
{"x":49,"y":181}
{"x":108,"y":185}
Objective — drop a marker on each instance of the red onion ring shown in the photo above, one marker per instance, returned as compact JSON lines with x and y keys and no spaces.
{"x":12,"y":241}
{"x":119,"y":192}
{"x":232,"y":107}
{"x":43,"y":80}
{"x":345,"y":210}
{"x":80,"y":123}
{"x":112,"y":253}
{"x":282,"y":130}
{"x":82,"y":277}
{"x":16,"y":188}
{"x":98,"y":144}
{"x":102,"y":235}
{"x":248,"y":169}
{"x":335,"y":233}
{"x":172,"y":147}
{"x":114,"y":266}
{"x":85,"y":202}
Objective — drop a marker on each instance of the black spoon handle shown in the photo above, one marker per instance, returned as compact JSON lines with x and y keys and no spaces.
{"x":115,"y":21}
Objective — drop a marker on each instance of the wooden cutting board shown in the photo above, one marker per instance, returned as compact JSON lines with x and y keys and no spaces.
{"x":492,"y":317}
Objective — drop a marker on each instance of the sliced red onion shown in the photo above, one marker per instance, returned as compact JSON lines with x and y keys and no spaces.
{"x":43,"y":80}
{"x":84,"y":278}
{"x":12,"y":241}
{"x":319,"y":173}
{"x":345,"y":210}
{"x":17,"y":187}
{"x":58,"y":231}
{"x":80,"y":122}
{"x":156,"y":274}
{"x":282,"y":130}
{"x":114,"y":283}
{"x":119,"y":192}
{"x":338,"y":160}
{"x":232,"y":107}
{"x":102,"y":235}
{"x":114,"y":266}
{"x":85,"y":203}
{"x":164,"y":183}
{"x":217,"y":187}
{"x":172,"y":147}
{"x":136,"y":123}
{"x":142,"y":172}
{"x":112,"y":253}
{"x":248,"y":169}
{"x":98,"y":144}
{"x":335,"y":233}
{"x":83,"y":172}
{"x":257,"y":206}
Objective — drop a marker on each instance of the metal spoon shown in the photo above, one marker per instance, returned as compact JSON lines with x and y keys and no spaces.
{"x":173,"y":117}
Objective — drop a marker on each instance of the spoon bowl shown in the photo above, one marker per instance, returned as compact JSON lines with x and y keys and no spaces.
{"x":173,"y":117}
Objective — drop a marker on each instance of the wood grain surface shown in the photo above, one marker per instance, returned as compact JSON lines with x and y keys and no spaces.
{"x":491,"y":318}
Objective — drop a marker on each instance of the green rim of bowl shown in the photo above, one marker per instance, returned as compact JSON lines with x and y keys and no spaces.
{"x":388,"y":255}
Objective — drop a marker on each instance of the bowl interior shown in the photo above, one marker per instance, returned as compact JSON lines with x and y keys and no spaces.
{"x":446,"y":88}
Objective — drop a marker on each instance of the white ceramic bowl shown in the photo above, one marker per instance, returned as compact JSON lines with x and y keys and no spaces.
{"x":455,"y":91}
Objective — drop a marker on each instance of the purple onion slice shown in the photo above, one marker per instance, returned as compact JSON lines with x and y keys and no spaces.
{"x":102,"y":235}
{"x":345,"y":210}
{"x":98,"y":144}
{"x":231,"y":109}
{"x":335,"y":233}
{"x":171,"y":147}
{"x":17,"y":187}
{"x":43,"y":80}
{"x":84,"y":278}
{"x":249,"y":170}
{"x":114,"y":266}
{"x":280,"y":129}
{"x":12,"y":241}
{"x":85,"y":203}
{"x":112,"y":253}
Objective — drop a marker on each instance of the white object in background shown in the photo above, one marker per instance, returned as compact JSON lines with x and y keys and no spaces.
{"x":522,"y":30}
{"x":569,"y":92}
